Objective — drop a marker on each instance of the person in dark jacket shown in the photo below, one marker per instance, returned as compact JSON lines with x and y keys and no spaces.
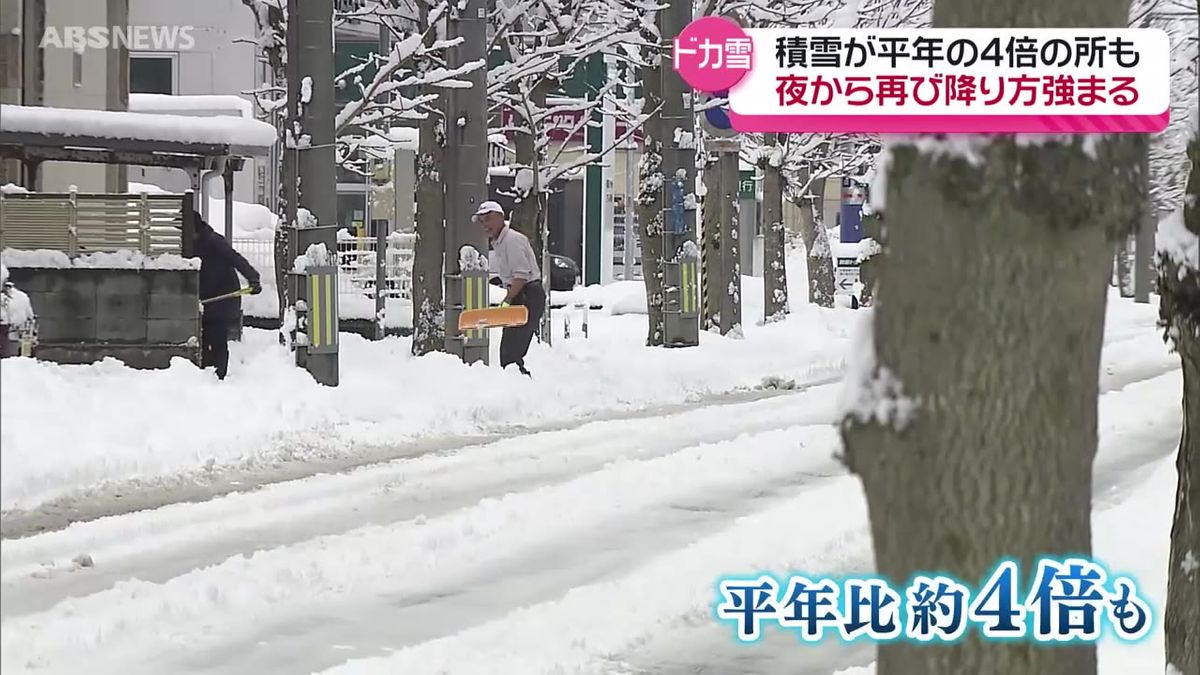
{"x":219,"y":268}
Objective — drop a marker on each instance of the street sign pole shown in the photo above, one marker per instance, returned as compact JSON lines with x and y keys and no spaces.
{"x":310,"y":50}
{"x":681,"y":257}
{"x":466,"y":180}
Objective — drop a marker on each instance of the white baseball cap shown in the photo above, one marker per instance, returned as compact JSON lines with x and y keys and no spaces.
{"x":487,"y":207}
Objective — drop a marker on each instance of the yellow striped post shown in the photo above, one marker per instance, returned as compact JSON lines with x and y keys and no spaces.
{"x":322,"y":310}
{"x":314,"y":309}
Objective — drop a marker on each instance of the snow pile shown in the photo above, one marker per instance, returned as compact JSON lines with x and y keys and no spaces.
{"x":138,"y":126}
{"x":146,"y":188}
{"x":271,"y":412}
{"x":198,"y":105}
{"x":250,"y":221}
{"x":305,"y":218}
{"x":1175,"y":242}
{"x":867,"y":248}
{"x":12,"y":189}
{"x":317,"y":255}
{"x":471,"y":260}
{"x":123,"y":259}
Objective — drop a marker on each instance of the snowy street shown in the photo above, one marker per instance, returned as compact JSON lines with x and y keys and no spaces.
{"x":776,"y":337}
{"x":591,"y":548}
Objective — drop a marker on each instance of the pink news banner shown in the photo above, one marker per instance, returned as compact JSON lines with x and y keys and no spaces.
{"x":930,"y":80}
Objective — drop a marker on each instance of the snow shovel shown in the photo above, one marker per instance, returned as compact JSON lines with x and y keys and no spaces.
{"x":226,"y":296}
{"x":493,"y":317}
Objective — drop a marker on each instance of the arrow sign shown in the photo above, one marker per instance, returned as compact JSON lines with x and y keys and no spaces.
{"x":845,"y":283}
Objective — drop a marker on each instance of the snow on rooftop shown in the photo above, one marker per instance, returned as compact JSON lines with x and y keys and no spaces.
{"x":214,"y":104}
{"x":137,"y":126}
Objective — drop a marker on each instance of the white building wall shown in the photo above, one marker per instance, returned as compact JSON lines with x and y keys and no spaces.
{"x":215,"y":64}
{"x":60,"y":90}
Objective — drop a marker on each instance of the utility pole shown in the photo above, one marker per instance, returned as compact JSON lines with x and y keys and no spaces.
{"x":310,"y":178}
{"x":466,"y":180}
{"x":725,"y":288}
{"x":681,"y":256}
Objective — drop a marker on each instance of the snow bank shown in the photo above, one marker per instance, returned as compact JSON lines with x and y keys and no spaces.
{"x":268,"y":411}
{"x":124,"y":259}
{"x":139,"y":126}
{"x":12,"y":189}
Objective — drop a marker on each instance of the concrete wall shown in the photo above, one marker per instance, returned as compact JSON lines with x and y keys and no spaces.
{"x":142,"y":317}
{"x":215,"y":64}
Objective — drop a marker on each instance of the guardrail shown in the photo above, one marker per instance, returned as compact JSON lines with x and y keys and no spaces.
{"x":78,"y":224}
{"x":357,"y":262}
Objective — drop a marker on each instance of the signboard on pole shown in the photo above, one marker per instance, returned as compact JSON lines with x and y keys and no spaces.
{"x":715,"y":119}
{"x":746,"y":184}
{"x":853,"y":198}
{"x":846,"y":275}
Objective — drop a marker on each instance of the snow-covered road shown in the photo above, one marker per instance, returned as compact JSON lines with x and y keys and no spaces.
{"x":577,"y":549}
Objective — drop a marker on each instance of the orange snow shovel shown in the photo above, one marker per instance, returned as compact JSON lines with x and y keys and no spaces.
{"x":493,"y":317}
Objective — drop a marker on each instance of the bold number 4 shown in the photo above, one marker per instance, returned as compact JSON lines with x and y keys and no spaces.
{"x":997,"y":608}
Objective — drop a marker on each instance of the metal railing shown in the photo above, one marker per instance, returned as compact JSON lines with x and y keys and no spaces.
{"x":78,"y":224}
{"x":356,"y":263}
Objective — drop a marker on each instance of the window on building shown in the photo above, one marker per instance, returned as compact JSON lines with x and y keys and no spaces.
{"x":151,"y":74}
{"x":77,"y":68}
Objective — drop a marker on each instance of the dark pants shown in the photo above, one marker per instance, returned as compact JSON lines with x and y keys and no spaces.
{"x":214,"y":341}
{"x":514,"y":345}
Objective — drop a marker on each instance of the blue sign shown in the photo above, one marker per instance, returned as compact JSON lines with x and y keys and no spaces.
{"x":718,"y":116}
{"x":678,"y":223}
{"x":853,"y":197}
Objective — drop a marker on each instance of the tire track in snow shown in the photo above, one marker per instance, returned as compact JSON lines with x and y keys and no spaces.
{"x":160,"y":544}
{"x":125,"y":628}
{"x":331,"y":490}
{"x":660,"y":613}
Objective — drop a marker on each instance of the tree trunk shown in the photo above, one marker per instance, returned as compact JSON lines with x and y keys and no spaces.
{"x":429,"y":248}
{"x":775,"y":300}
{"x":731,"y":247}
{"x":711,"y":230}
{"x":868,"y":269}
{"x":1180,"y":310}
{"x":974,"y":426}
{"x":1124,"y":269}
{"x":650,"y":194}
{"x":530,"y":196}
{"x":816,"y":244}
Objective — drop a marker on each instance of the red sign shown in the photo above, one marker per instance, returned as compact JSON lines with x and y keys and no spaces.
{"x":562,"y":125}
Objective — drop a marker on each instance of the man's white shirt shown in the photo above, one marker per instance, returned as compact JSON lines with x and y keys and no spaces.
{"x":513,"y":258}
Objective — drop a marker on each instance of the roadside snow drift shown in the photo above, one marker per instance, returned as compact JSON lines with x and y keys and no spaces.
{"x":68,"y":428}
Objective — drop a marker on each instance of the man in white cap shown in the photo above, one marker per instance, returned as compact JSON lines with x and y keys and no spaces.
{"x":514,"y":261}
